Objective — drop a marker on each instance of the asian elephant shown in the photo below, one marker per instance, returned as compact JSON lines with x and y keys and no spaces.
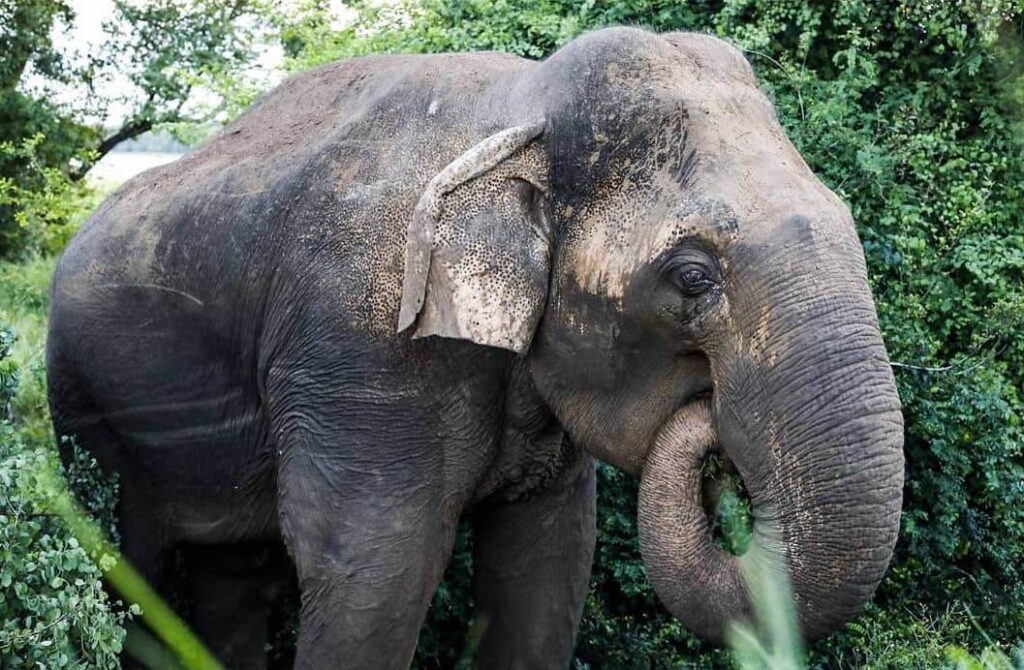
{"x":401,"y":290}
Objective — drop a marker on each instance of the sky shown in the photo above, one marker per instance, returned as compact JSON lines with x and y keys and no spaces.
{"x":90,"y":17}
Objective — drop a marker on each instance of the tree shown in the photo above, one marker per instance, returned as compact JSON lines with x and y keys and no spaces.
{"x":166,"y":50}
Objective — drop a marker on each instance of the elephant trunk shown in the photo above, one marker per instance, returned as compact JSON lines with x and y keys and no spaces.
{"x":824,"y":470}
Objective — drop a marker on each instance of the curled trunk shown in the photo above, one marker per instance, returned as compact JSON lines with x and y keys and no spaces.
{"x":828,"y":511}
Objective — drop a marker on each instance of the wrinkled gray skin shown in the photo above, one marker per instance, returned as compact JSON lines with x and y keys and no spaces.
{"x":618,"y":254}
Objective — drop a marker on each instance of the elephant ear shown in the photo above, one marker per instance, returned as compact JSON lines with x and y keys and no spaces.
{"x":478,"y":251}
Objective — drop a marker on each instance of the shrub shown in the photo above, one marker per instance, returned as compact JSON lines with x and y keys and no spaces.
{"x":53,"y":608}
{"x":45,"y":205}
{"x":24,"y":303}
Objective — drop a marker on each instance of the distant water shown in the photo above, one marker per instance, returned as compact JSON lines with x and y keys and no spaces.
{"x":119,"y":166}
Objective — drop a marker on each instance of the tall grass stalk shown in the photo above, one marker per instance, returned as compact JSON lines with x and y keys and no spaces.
{"x":772,"y":641}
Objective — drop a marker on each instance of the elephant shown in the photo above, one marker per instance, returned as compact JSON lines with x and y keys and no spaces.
{"x":404,"y":290}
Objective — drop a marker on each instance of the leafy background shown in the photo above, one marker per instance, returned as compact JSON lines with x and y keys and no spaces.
{"x":911,"y":111}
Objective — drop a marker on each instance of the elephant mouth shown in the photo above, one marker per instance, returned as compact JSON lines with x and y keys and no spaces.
{"x":726,"y":503}
{"x":727,"y":506}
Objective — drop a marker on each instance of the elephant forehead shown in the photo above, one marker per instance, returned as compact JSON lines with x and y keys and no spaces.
{"x":712,"y":55}
{"x":743,"y":158}
{"x":613,"y":235}
{"x":744,"y":181}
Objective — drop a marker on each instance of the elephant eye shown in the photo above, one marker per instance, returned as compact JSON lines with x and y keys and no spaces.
{"x":693,"y":281}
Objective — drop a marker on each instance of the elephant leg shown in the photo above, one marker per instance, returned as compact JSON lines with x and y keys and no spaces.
{"x":365,"y":590}
{"x":532,"y":564}
{"x":370,"y":540}
{"x":233,"y":588}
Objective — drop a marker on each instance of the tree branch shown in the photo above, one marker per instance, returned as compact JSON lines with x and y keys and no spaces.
{"x":128,"y":131}
{"x":979,"y":361}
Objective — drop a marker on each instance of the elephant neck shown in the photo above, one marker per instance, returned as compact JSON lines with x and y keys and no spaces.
{"x":533,"y":448}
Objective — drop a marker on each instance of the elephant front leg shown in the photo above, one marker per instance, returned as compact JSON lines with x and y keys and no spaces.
{"x":532,"y":564}
{"x":370,"y":546}
{"x":366,"y":586}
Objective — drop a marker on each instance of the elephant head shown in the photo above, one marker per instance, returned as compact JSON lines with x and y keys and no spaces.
{"x":643,"y":232}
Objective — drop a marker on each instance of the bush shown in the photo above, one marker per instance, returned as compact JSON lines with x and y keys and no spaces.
{"x":24,"y":302}
{"x":40,"y":205}
{"x":54,"y":610}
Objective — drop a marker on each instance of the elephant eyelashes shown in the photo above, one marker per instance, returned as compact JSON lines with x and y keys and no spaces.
{"x":693,"y":281}
{"x":692,"y":271}
{"x":690,"y":283}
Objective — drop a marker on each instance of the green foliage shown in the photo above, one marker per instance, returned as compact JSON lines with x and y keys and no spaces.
{"x":170,"y":48}
{"x":988,"y":660}
{"x":772,"y":641}
{"x":38,"y":142}
{"x":54,"y":610}
{"x":910,"y":122}
{"x":9,"y":374}
{"x":47,"y":205}
{"x":24,"y":302}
